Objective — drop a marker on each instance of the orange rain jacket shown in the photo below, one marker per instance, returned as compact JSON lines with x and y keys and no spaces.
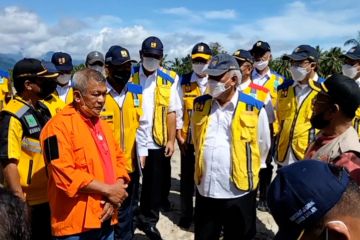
{"x":73,"y":162}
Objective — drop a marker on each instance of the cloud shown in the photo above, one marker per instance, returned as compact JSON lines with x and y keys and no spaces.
{"x":199,"y":16}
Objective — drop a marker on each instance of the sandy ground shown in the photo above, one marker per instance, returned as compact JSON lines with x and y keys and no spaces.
{"x":266,"y":226}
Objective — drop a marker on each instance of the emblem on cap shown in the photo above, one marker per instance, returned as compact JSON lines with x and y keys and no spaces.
{"x":352,"y":50}
{"x":258,"y":43}
{"x":237,"y":53}
{"x":297,"y":50}
{"x":214,"y":62}
{"x":153,"y":44}
{"x":201,"y":48}
{"x":61,"y":61}
{"x":124,"y":53}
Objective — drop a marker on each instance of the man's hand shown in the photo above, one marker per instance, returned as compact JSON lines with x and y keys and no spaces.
{"x":142,"y":161}
{"x":169,"y":149}
{"x":182,"y":144}
{"x":108,"y":211}
{"x":116,"y":193}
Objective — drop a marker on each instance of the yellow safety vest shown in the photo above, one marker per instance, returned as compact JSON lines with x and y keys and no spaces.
{"x":4,"y":88}
{"x":296,"y":131}
{"x":69,"y":97}
{"x":245,"y":152}
{"x":259,"y":92}
{"x":356,"y":121}
{"x":190,"y":90}
{"x":31,"y":165}
{"x":124,"y":121}
{"x":164,"y":80}
{"x":54,"y":104}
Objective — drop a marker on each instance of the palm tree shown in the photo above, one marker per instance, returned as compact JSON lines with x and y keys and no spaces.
{"x":281,"y":66}
{"x":353,"y":41}
{"x":330,"y":62}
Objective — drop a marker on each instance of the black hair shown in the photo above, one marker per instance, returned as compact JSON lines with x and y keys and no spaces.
{"x":14,"y":220}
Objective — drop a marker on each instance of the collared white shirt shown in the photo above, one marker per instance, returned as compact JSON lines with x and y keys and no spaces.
{"x":63,"y":91}
{"x":358,"y":81}
{"x":259,"y":79}
{"x":119,"y":98}
{"x":202,"y":83}
{"x":215,"y":181}
{"x":301,"y":92}
{"x":144,"y":137}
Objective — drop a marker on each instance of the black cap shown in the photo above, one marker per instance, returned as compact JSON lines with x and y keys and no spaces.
{"x":341,"y":89}
{"x":117,"y":55}
{"x":244,"y":55}
{"x":152,"y":45}
{"x":302,"y":193}
{"x":221,"y":64}
{"x":62,"y":61}
{"x":260,"y":48}
{"x":33,"y":68}
{"x":201,"y":50}
{"x":303,"y":52}
{"x":353,"y":53}
{"x":94,"y":57}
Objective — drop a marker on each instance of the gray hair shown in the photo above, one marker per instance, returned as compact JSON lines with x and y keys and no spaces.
{"x":81,"y":78}
{"x":236,"y":73}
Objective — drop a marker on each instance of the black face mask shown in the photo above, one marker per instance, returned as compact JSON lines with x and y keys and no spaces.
{"x":121,"y":77}
{"x":47,"y":86}
{"x":317,"y":121}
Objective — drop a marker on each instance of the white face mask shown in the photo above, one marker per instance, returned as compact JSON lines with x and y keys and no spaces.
{"x":349,"y":70}
{"x":151,"y":64}
{"x":199,"y":68}
{"x":217,"y":88}
{"x":298,"y":73}
{"x":98,"y":68}
{"x":261,"y":65}
{"x":63,"y":78}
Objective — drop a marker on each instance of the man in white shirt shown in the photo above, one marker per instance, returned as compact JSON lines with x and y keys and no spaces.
{"x":63,"y":63}
{"x":231,"y":138}
{"x":193,"y":85}
{"x":122,"y":112}
{"x":295,"y":105}
{"x":156,"y":133}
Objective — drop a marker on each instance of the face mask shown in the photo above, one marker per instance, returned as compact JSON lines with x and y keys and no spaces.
{"x":98,"y":68}
{"x":63,"y":78}
{"x":298,"y":73}
{"x":121,"y":77}
{"x":47,"y":87}
{"x":349,"y":70}
{"x":87,"y":111}
{"x":150,"y":64}
{"x":199,"y":68}
{"x":317,"y":121}
{"x":217,"y":88}
{"x":261,"y":65}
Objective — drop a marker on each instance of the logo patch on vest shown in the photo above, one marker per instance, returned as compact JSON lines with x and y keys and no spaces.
{"x":2,"y":80}
{"x":199,"y":107}
{"x":31,"y":120}
{"x":187,"y":88}
{"x":284,"y":93}
{"x":136,"y":102}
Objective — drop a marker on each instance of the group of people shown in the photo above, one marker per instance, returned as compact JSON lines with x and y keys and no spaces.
{"x":74,"y":146}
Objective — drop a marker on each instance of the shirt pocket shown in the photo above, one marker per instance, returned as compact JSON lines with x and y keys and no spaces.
{"x":248,"y":123}
{"x":163,"y":95}
{"x":284,"y":109}
{"x":80,"y":157}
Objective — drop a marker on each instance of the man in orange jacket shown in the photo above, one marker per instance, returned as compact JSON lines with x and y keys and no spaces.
{"x":87,"y":176}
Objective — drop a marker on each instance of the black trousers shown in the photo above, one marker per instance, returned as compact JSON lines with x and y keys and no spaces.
{"x":187,"y":182}
{"x":265,"y":174}
{"x":155,"y":186}
{"x":237,"y":217}
{"x":40,"y":221}
{"x":124,"y":230}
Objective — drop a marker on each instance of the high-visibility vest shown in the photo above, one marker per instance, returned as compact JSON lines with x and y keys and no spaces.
{"x":164,"y":80}
{"x":245,"y":152}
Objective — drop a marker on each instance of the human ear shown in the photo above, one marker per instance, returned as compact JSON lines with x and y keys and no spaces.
{"x":337,"y":230}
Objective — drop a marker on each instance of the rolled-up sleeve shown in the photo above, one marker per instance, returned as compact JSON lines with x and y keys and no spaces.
{"x":264,"y":138}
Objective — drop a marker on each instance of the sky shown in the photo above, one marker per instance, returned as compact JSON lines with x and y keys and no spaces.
{"x":34,"y":27}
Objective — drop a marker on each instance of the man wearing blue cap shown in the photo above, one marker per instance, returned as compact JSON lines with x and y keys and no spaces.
{"x":122,"y":110}
{"x":245,"y":61}
{"x":193,"y":85}
{"x":295,"y":105}
{"x":231,"y":136}
{"x":21,"y":122}
{"x":351,"y":69}
{"x":312,"y":200}
{"x":156,"y":133}
{"x":63,"y":63}
{"x":333,"y":110}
